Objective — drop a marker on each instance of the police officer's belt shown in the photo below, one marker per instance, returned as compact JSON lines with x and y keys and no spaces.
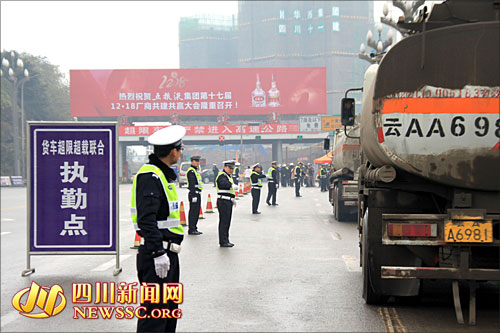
{"x":257,"y":187}
{"x":225,"y":197}
{"x":175,"y":248}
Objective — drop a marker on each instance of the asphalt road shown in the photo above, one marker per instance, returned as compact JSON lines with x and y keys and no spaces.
{"x":293,"y":268}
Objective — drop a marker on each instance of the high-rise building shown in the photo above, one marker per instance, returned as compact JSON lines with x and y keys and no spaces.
{"x":208,"y":41}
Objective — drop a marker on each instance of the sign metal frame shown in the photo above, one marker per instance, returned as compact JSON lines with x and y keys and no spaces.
{"x":114,"y":213}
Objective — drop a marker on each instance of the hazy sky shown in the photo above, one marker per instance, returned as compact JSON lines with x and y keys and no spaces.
{"x":104,"y":34}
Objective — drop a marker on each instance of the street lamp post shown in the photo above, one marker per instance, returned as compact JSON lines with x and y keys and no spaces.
{"x":17,"y":75}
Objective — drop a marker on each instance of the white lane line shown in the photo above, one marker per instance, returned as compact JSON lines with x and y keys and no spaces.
{"x":7,"y":219}
{"x":6,"y":233}
{"x":9,"y":318}
{"x":336,"y":236}
{"x":352,"y":263}
{"x":108,"y":264}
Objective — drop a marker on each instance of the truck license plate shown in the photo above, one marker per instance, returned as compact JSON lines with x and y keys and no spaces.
{"x":468,"y":232}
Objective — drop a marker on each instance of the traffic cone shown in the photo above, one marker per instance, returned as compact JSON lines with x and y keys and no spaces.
{"x":137,"y":241}
{"x":236,"y":195}
{"x":183,"y":214}
{"x":241,"y":192}
{"x":201,"y":214}
{"x":209,"y":205}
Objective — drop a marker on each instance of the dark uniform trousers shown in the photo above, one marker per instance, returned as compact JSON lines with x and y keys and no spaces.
{"x":271,"y":186}
{"x":146,"y":273}
{"x":194,"y":211}
{"x":323,"y":184}
{"x":255,"y":199}
{"x":225,"y":208}
{"x":297,"y":187}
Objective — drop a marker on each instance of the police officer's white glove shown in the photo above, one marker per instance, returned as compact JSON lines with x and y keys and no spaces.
{"x":234,"y":203}
{"x":162,"y":265}
{"x":235,"y":187}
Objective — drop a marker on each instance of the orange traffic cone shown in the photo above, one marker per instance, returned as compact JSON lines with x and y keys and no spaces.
{"x":183,"y":214}
{"x":137,"y":241}
{"x":236,"y":195}
{"x":209,"y":205}
{"x":201,"y":214}
{"x":248,"y":188}
{"x":241,"y":192}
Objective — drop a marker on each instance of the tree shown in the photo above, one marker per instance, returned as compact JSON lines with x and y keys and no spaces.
{"x":46,"y":97}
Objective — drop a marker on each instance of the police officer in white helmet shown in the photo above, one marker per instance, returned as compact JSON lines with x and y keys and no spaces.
{"x":156,"y":217}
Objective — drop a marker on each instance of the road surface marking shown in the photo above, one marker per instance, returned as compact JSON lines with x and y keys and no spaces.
{"x":5,"y":232}
{"x":110,"y":263}
{"x":391,"y":320}
{"x":335,"y":235}
{"x":7,"y":220}
{"x":10,"y":317}
{"x":125,"y":220}
{"x":352,"y":263}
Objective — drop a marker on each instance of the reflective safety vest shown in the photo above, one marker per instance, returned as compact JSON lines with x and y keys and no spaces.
{"x":230,"y":191}
{"x":270,"y":173}
{"x":323,"y":173}
{"x":259,"y":181}
{"x":297,"y":171}
{"x":173,"y":221}
{"x":198,"y":177}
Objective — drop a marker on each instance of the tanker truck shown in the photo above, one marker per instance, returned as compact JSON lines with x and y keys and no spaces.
{"x":343,"y":175}
{"x":429,"y":181}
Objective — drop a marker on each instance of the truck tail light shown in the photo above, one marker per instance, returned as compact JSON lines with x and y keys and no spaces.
{"x":412,"y":230}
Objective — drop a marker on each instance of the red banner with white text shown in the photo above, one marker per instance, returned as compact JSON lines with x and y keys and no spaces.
{"x":203,"y":92}
{"x":215,"y":129}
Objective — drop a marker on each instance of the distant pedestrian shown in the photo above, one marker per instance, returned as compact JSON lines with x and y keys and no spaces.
{"x":225,"y":201}
{"x":272,"y":182}
{"x":298,"y":176}
{"x":256,"y":181}
{"x":215,"y":170}
{"x":323,"y":180}
{"x":195,"y":186}
{"x":248,"y":172}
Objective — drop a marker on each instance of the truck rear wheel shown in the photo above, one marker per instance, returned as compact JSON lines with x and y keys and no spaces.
{"x":369,"y":294}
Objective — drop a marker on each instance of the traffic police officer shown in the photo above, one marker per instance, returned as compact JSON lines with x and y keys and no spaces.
{"x":322,"y":178}
{"x":256,"y":182}
{"x":272,"y":175}
{"x":298,"y":177}
{"x":225,"y":201}
{"x":195,"y":186}
{"x":156,"y":217}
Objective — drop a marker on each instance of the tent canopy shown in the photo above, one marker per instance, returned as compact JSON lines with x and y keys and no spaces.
{"x":324,"y":159}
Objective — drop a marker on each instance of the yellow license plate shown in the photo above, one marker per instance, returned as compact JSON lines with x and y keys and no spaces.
{"x":468,"y":232}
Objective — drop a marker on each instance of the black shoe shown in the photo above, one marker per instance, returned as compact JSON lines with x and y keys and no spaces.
{"x":256,"y":213}
{"x":298,"y":196}
{"x":268,"y":203}
{"x":195,"y":232}
{"x":231,"y":244}
{"x":275,"y":204}
{"x":227,"y":245}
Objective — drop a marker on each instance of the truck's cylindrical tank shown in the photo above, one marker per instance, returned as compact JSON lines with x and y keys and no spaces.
{"x":346,"y":150}
{"x":432,"y":106}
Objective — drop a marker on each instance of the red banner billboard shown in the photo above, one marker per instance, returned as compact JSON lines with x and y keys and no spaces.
{"x":215,"y":129}
{"x":198,"y":92}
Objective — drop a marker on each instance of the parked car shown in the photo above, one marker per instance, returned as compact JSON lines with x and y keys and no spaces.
{"x":207,"y":176}
{"x":182,"y":173}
